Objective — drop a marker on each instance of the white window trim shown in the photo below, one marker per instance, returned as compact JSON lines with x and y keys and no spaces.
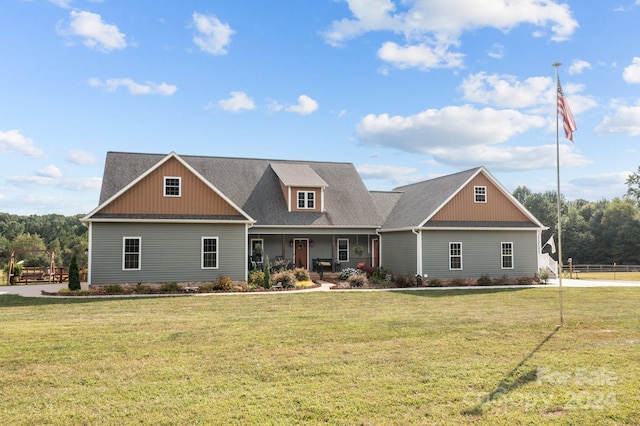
{"x":164,"y":187}
{"x":502,"y":255}
{"x":217,"y":252}
{"x":124,"y":253}
{"x":306,"y":200}
{"x":338,"y":246}
{"x":452,"y":256}
{"x":475,"y":194}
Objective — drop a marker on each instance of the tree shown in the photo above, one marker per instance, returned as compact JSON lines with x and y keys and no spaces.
{"x":633,"y":186}
{"x":74,"y":274}
{"x":267,"y":273}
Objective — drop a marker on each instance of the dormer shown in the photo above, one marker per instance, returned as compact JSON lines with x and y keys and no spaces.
{"x":302,"y":187}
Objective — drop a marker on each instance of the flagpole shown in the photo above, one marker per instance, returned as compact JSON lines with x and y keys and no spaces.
{"x":556,"y":65}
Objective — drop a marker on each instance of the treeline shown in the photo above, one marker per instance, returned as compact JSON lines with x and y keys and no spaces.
{"x":25,"y":235}
{"x":600,"y":232}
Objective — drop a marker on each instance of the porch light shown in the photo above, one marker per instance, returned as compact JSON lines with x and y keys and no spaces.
{"x":290,"y":243}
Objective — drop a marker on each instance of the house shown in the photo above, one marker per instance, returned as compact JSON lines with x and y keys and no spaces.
{"x":165,"y":218}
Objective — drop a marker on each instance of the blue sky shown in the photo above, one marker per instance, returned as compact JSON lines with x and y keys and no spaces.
{"x":405,"y":90}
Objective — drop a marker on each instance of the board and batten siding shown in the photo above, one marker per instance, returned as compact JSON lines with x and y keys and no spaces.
{"x":169,"y":252}
{"x":399,"y":252}
{"x":481,"y":253}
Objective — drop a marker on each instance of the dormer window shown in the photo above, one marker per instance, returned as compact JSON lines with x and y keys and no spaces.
{"x":306,"y":200}
{"x":172,"y":186}
{"x":480,"y":194}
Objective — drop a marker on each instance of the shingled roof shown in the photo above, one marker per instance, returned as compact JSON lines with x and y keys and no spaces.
{"x":253,"y":185}
{"x":420,"y":200}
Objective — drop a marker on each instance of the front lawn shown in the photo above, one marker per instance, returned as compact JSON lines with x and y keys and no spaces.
{"x":476,"y":356}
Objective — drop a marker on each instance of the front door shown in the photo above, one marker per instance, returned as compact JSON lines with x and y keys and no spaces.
{"x":301,"y":253}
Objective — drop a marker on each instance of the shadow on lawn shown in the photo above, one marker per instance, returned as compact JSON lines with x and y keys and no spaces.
{"x":8,"y":300}
{"x":511,"y":381}
{"x":467,"y":291}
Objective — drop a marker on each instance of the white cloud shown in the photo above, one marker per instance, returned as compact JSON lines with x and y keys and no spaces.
{"x":420,"y":56}
{"x":394,"y":175}
{"x":631,"y":74}
{"x":42,"y":179}
{"x":148,"y":88}
{"x":62,"y":3}
{"x":14,"y":141}
{"x":96,"y":33}
{"x":624,"y":120}
{"x":237,"y":102}
{"x":443,"y":22}
{"x":506,"y":90}
{"x":305,"y":106}
{"x":578,"y":65}
{"x":50,"y":171}
{"x":434,"y":131}
{"x":496,"y":52}
{"x":213,"y":36}
{"x":80,"y":157}
{"x":603,"y":179}
{"x":512,"y":158}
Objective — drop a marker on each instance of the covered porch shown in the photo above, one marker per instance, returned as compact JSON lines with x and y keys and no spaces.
{"x":313,"y":248}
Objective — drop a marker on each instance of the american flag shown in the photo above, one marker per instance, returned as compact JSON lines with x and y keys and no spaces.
{"x":568,"y":122}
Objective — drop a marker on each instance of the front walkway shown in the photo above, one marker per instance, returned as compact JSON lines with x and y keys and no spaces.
{"x":34,"y":290}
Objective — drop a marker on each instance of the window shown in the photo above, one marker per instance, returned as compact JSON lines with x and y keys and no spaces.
{"x":480,"y":193}
{"x":172,"y":186}
{"x":306,"y":200}
{"x":507,"y":255}
{"x":131,"y":253}
{"x":455,"y":255}
{"x":209,"y":252}
{"x":343,"y":250}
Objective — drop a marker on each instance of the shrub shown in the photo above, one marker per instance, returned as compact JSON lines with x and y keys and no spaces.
{"x":434,"y":282}
{"x":279,"y":265}
{"x":404,"y":281}
{"x":346,"y":273}
{"x":172,"y":287}
{"x":365,"y":268}
{"x":301,"y":274}
{"x":357,"y":280}
{"x":74,"y":274}
{"x":223,"y":283}
{"x":267,"y":274}
{"x":457,"y":282}
{"x":205,"y":288}
{"x":525,"y":281}
{"x":114,"y":289}
{"x":141,"y":289}
{"x":286,"y":278}
{"x":501,"y":281}
{"x":256,"y":279}
{"x":485,"y":279}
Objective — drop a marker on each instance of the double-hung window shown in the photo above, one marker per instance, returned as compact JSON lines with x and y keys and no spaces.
{"x":480,"y":194}
{"x":306,"y":200}
{"x":506,"y":253}
{"x":209,"y":252}
{"x":172,"y":186}
{"x":131,"y":247}
{"x":343,"y":249}
{"x":455,"y":256}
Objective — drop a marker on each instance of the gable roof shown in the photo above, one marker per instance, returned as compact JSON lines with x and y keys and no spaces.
{"x":253,"y":186}
{"x":422,"y":200}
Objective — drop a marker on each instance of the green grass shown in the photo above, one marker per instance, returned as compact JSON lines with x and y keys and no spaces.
{"x":478,"y":356}
{"x":605,"y":276}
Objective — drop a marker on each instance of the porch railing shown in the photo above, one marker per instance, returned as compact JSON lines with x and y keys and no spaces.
{"x":546,"y":262}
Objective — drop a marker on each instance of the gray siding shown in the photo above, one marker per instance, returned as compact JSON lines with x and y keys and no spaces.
{"x":169,"y":252}
{"x":399,"y":252}
{"x":480,"y":253}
